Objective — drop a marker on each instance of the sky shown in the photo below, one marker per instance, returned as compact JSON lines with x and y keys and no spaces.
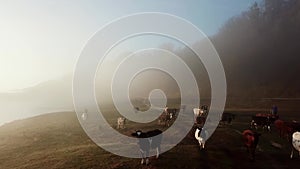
{"x":40,"y":40}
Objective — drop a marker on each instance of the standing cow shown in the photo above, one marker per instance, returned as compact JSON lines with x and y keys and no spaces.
{"x":286,"y":129}
{"x":295,"y":143}
{"x":121,"y":123}
{"x":199,"y":115}
{"x":165,"y":118}
{"x":251,"y":139}
{"x":201,"y":136}
{"x":262,"y":121}
{"x":146,"y":141}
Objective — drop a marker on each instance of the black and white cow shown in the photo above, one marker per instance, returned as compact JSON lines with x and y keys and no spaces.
{"x":168,"y":116}
{"x":147,"y":141}
{"x":262,"y":121}
{"x":201,"y":136}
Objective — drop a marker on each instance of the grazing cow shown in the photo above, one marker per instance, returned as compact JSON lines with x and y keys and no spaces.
{"x":263,"y":121}
{"x":146,"y":141}
{"x":295,"y":142}
{"x":227,"y":117}
{"x":121,"y":123}
{"x":201,"y":137}
{"x":165,"y":117}
{"x":251,"y":139}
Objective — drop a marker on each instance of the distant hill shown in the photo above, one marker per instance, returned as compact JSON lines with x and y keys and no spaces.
{"x":49,"y":96}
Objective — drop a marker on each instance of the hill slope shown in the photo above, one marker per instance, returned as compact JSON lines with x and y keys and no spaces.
{"x":57,"y":141}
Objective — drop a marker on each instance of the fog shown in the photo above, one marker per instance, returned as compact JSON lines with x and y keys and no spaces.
{"x":259,"y":49}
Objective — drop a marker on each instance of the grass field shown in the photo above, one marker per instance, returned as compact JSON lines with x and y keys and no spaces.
{"x":57,"y":141}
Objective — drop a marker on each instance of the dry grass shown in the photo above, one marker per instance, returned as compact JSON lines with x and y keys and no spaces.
{"x":58,"y":141}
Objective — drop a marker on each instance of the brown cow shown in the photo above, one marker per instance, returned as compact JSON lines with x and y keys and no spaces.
{"x":286,"y":128}
{"x":251,"y":139}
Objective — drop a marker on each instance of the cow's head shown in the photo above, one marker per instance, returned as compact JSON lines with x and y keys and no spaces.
{"x":138,"y":133}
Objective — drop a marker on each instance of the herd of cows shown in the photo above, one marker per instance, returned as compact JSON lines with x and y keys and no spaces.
{"x":264,"y":121}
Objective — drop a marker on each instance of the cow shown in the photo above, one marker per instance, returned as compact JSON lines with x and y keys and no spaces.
{"x":173,"y":112}
{"x":165,"y":118}
{"x":146,"y":141}
{"x":251,"y":139}
{"x":286,"y":129}
{"x":121,"y":123}
{"x":200,"y":121}
{"x":199,"y":113}
{"x":204,"y":109}
{"x":227,"y":117}
{"x":201,"y":136}
{"x":262,"y":121}
{"x":272,"y":117}
{"x":279,"y":124}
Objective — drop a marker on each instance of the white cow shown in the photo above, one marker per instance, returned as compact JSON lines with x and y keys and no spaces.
{"x":121,"y":123}
{"x":296,"y":143}
{"x":201,"y":137}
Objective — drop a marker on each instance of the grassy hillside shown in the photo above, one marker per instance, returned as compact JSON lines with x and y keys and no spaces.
{"x":57,"y":141}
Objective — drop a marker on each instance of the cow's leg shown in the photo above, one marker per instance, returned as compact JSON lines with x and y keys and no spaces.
{"x":292,"y":153}
{"x":200,"y":145}
{"x":203,"y":144}
{"x":157,"y":151}
{"x":142,"y":155}
{"x":147,"y":157}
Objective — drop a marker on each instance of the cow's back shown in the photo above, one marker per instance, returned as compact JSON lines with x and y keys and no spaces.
{"x":156,"y":136}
